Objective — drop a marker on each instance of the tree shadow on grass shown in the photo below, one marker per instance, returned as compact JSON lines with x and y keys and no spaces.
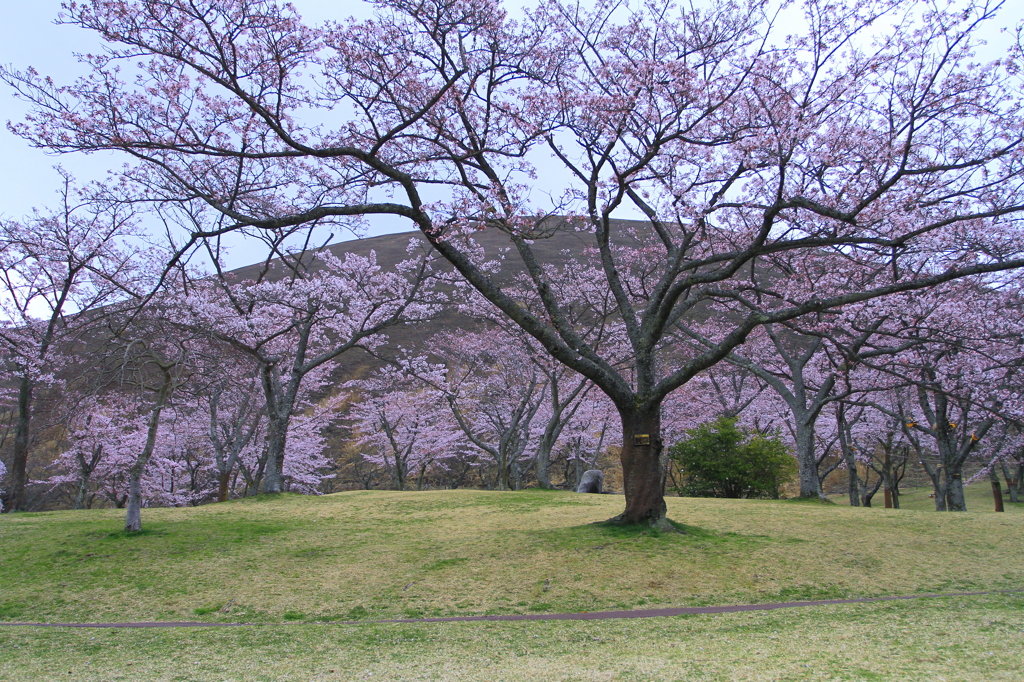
{"x":128,"y":534}
{"x":682,"y":535}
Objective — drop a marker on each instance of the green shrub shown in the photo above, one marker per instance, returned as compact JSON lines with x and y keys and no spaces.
{"x":720,"y":459}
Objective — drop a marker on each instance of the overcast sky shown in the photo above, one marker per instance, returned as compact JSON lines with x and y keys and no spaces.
{"x":28,"y":37}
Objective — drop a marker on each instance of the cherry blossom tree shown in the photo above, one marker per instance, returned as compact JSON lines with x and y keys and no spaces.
{"x":870,"y":134}
{"x":59,"y":272}
{"x":961,"y":373}
{"x":406,"y":424}
{"x":566,"y":391}
{"x":493,"y":391}
{"x":587,"y":436}
{"x":299,"y":315}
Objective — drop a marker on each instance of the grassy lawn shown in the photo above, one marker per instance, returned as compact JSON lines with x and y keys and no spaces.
{"x":295,"y":565}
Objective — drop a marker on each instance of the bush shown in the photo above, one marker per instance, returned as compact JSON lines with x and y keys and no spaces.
{"x":720,"y":459}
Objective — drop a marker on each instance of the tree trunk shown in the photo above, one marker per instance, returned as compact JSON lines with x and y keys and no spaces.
{"x":1011,"y":481}
{"x":853,"y":479}
{"x":543,"y":468}
{"x":643,"y":469}
{"x":223,"y":479}
{"x":955,"y":491}
{"x":133,"y":517}
{"x":19,"y":460}
{"x":939,"y":486}
{"x":997,"y":490}
{"x":810,"y":484}
{"x":277,"y":435}
{"x":83,"y":490}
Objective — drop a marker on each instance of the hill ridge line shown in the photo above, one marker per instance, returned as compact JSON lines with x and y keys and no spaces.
{"x":581,"y":615}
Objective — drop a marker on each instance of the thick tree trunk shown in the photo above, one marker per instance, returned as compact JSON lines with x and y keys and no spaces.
{"x":997,"y":490}
{"x":643,"y":469}
{"x":277,"y":435}
{"x":807,"y":463}
{"x":543,"y":464}
{"x":502,"y":483}
{"x":223,"y":481}
{"x":955,"y":491}
{"x":19,"y":459}
{"x":950,"y":469}
{"x":133,"y":517}
{"x":939,"y":487}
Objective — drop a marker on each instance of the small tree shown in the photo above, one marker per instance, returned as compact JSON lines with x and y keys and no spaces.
{"x":721,"y":459}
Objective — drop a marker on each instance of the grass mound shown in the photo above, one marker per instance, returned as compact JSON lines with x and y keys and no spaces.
{"x":378,"y":555}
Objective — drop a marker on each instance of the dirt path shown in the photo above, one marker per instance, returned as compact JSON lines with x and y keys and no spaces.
{"x":584,"y":615}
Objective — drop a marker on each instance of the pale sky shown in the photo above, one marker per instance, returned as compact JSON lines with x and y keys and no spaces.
{"x":28,"y":37}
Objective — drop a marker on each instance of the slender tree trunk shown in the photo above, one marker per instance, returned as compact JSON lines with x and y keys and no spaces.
{"x":133,"y":516}
{"x":86,"y":469}
{"x":81,"y":494}
{"x":643,"y":469}
{"x":1011,"y":482}
{"x":19,"y":460}
{"x":401,"y":470}
{"x":887,"y":477}
{"x":853,"y":479}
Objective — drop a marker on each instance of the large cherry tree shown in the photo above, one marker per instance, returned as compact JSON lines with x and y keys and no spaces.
{"x":870,"y":133}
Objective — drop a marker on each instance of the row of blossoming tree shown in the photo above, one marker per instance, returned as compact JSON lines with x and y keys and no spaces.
{"x":172,"y":404}
{"x":831,"y":197}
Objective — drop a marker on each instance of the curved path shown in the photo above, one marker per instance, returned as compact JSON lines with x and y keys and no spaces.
{"x":584,"y":615}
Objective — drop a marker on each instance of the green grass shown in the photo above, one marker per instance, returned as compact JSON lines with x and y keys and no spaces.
{"x":976,"y":638}
{"x":293,"y":565}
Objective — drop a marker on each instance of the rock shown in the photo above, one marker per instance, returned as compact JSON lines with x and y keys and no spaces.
{"x":592,"y":482}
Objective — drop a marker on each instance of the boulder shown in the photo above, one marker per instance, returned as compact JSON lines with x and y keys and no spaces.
{"x":592,"y":482}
